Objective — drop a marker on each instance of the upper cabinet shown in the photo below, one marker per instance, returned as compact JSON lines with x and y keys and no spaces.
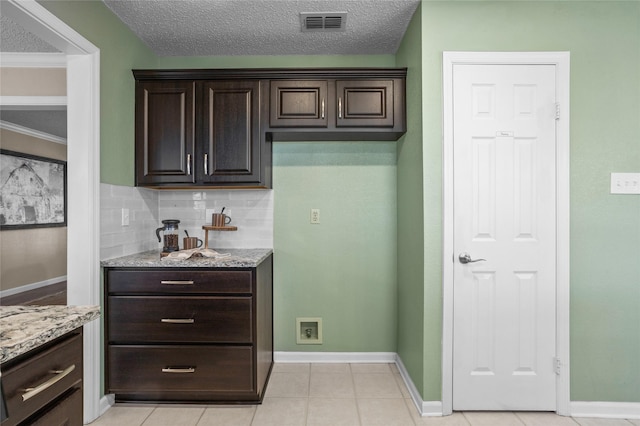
{"x":165,"y":132}
{"x":213,"y":128}
{"x":230,"y":150}
{"x":355,"y":105}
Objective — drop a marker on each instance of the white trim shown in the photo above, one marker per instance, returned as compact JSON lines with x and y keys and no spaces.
{"x":32,"y":286}
{"x":106,"y":402}
{"x":425,"y":408}
{"x":333,"y":357}
{"x":561,"y":60}
{"x":611,"y":410}
{"x":83,"y":151}
{"x":33,"y":133}
{"x":32,"y":60}
{"x":26,"y":102}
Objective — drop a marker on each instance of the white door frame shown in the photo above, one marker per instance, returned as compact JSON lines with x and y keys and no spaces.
{"x":83,"y":175}
{"x":561,"y":62}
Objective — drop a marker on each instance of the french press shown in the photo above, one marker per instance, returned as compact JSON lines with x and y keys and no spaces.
{"x":169,"y":235}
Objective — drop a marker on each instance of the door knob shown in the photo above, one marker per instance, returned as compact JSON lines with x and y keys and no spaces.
{"x":466,"y":258}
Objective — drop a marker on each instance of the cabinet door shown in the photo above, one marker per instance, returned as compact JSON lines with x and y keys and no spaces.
{"x":364,"y":103}
{"x":231,"y":132}
{"x":165,"y":132}
{"x":298,"y":103}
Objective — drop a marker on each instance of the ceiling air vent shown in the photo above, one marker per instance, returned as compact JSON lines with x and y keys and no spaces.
{"x":323,"y":21}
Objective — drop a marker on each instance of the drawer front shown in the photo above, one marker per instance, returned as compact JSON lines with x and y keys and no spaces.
{"x":189,"y":369}
{"x":66,"y":411}
{"x":178,"y":281}
{"x":33,"y":383}
{"x":173,"y":319}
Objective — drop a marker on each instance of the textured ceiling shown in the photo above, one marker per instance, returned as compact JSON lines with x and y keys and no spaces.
{"x":263,"y":27}
{"x":14,"y":38}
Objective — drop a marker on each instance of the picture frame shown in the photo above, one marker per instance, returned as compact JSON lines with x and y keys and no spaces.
{"x":33,"y":191}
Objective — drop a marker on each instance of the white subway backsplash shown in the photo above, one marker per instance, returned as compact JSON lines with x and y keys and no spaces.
{"x":250,"y":210}
{"x":117,"y":240}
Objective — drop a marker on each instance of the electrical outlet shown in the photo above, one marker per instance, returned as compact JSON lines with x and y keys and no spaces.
{"x":625,"y":183}
{"x":125,"y":217}
{"x":315,"y":216}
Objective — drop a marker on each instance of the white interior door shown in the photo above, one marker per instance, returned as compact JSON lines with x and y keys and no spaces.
{"x":504,"y":201}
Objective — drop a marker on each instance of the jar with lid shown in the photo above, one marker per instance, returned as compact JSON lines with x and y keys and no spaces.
{"x":169,"y":235}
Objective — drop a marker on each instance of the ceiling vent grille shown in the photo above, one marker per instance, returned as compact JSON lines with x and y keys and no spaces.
{"x":323,"y":21}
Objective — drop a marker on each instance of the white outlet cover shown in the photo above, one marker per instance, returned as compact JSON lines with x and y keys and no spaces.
{"x":625,"y":183}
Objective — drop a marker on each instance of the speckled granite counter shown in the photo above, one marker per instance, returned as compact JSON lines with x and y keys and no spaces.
{"x":23,"y":328}
{"x":239,"y":258}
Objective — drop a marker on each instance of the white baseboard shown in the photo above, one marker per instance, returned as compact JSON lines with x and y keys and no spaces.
{"x":330,"y":357}
{"x":425,"y":408}
{"x":612,"y":410}
{"x":32,"y":286}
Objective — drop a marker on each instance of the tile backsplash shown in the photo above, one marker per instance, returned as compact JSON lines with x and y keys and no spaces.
{"x":250,"y":210}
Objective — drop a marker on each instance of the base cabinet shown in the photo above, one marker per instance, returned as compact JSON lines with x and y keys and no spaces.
{"x":189,"y":335}
{"x":44,"y":386}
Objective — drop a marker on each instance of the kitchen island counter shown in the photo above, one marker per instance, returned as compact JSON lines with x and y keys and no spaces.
{"x":237,"y":258}
{"x":23,"y":328}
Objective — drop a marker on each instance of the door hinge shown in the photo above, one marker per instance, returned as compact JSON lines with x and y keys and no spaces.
{"x":557,"y":366}
{"x":557,"y":110}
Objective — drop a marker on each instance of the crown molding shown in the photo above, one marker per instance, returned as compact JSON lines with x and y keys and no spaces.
{"x":32,"y":60}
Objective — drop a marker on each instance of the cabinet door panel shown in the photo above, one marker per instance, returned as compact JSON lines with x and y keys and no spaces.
{"x":165,"y":132}
{"x":231,"y":132}
{"x":299,"y":103}
{"x":363,"y":103}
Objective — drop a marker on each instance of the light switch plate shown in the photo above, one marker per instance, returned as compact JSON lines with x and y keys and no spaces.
{"x":125,"y":217}
{"x":625,"y":183}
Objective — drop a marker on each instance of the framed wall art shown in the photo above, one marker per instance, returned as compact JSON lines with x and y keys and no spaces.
{"x":33,"y":191}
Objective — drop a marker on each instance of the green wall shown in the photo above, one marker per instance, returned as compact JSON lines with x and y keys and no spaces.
{"x":411,"y":273}
{"x":604,"y":40}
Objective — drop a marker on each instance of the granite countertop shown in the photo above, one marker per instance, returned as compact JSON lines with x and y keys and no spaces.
{"x":23,"y":328}
{"x":237,"y":258}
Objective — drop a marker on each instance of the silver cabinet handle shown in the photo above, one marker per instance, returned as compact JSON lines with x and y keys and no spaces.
{"x":466,"y":258}
{"x":339,"y":107}
{"x":170,"y":282}
{"x":189,"y":164}
{"x":206,"y":164}
{"x":178,"y":320}
{"x":59,"y":375}
{"x":322,"y":107}
{"x":179,"y":370}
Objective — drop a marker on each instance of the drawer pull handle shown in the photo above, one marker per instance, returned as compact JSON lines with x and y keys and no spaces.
{"x":179,"y":370}
{"x":59,"y":375}
{"x":171,"y":282}
{"x":178,"y":320}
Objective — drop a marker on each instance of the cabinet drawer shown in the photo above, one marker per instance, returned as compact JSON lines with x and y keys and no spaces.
{"x":67,"y":411}
{"x":31,"y":384}
{"x":178,"y":281}
{"x":162,"y":370}
{"x":172,"y":319}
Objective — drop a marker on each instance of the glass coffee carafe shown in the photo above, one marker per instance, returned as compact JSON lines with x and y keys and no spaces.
{"x":169,"y":235}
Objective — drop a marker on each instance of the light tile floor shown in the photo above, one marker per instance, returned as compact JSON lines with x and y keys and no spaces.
{"x":330,"y":395}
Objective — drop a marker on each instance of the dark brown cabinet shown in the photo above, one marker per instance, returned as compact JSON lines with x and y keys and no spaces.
{"x":350,"y":108}
{"x":165,"y":132}
{"x":230,"y":145}
{"x":192,"y":132}
{"x":44,"y":386}
{"x":189,"y":334}
{"x":214,"y":128}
